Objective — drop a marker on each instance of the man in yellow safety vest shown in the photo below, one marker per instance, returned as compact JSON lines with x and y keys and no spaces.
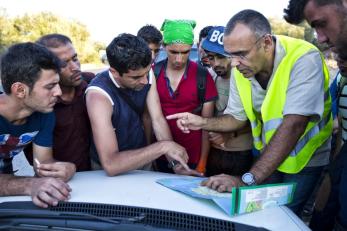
{"x":279,"y":86}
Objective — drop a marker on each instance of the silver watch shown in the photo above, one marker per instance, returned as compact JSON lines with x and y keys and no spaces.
{"x":172,"y":163}
{"x":248,"y":178}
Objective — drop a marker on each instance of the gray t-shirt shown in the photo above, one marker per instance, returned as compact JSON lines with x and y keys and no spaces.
{"x":305,"y":95}
{"x":223,"y":86}
{"x":241,"y":142}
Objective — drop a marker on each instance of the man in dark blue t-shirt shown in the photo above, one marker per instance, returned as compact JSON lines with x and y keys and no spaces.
{"x":29,"y":76}
{"x":116,"y":100}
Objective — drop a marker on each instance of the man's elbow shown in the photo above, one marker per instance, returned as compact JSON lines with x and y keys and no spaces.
{"x":298,"y":122}
{"x":109,"y":172}
{"x":111,"y":168}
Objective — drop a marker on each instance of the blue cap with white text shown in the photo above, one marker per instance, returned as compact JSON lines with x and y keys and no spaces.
{"x":214,"y":41}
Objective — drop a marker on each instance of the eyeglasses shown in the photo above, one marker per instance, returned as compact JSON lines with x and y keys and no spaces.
{"x":243,"y":55}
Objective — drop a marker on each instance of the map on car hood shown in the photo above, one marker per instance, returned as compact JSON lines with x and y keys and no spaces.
{"x":191,"y":186}
{"x":241,"y":200}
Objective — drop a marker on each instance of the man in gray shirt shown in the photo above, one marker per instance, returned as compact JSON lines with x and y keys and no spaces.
{"x":280,"y":85}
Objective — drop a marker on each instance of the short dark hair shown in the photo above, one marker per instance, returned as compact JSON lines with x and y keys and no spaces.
{"x":294,"y":13}
{"x":54,"y":40}
{"x":150,"y":34}
{"x":23,"y":62}
{"x":251,"y":18}
{"x":128,"y":52}
{"x":204,"y":32}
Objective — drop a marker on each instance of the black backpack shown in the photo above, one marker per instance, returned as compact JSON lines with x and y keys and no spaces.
{"x":201,"y":76}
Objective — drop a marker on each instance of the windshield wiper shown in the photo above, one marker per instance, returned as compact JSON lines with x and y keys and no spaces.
{"x":114,"y":220}
{"x":26,"y":217}
{"x":16,"y":213}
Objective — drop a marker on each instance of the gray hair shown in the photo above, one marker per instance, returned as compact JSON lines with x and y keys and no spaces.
{"x":252,"y":19}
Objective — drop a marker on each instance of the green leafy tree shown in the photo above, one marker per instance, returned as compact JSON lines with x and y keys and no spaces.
{"x":301,"y":31}
{"x":31,"y":27}
{"x":281,"y":27}
{"x":5,"y":31}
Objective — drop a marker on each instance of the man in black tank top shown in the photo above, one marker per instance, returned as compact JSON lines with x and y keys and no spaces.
{"x":116,"y":99}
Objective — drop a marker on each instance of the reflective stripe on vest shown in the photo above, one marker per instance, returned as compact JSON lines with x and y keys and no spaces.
{"x":256,"y":138}
{"x":275,"y":123}
{"x":316,"y":133}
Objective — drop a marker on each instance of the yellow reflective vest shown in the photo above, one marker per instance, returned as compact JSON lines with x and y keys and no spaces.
{"x":316,"y":133}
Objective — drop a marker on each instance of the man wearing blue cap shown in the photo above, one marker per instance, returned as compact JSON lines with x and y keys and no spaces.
{"x":230,"y":152}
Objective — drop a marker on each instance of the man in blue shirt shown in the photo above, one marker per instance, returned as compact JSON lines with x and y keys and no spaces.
{"x":29,"y":76}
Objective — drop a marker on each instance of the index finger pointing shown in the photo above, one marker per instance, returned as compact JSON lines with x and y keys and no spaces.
{"x":175,"y":116}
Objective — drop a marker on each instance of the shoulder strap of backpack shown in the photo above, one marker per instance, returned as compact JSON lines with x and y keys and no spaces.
{"x":157,"y":68}
{"x":201,"y":87}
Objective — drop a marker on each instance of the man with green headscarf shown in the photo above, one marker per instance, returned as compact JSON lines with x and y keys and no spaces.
{"x":178,"y":31}
{"x":177,"y":89}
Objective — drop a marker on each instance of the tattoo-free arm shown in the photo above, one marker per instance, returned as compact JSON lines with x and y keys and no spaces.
{"x":112,"y":160}
{"x":147,"y":125}
{"x":160,"y":126}
{"x":44,"y":191}
{"x":281,"y":144}
{"x":14,"y":185}
{"x":224,"y":123}
{"x":49,"y":167}
{"x":162,"y":130}
{"x":187,"y":121}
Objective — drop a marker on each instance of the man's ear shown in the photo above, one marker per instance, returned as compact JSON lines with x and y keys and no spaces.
{"x":19,"y":89}
{"x":268,"y":42}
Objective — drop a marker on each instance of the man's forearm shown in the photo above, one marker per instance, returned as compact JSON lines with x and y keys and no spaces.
{"x":147,"y":125}
{"x":224,"y":123}
{"x":279,"y":147}
{"x":14,"y":185}
{"x":161,"y":129}
{"x":132,"y":159}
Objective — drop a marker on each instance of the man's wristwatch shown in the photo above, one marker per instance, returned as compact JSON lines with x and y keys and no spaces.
{"x":248,"y":178}
{"x":172,"y":163}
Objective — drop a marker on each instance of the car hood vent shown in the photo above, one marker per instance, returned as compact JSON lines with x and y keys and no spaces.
{"x":154,"y":217}
{"x":150,"y":219}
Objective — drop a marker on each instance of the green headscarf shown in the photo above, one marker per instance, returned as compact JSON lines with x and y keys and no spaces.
{"x":178,"y":31}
